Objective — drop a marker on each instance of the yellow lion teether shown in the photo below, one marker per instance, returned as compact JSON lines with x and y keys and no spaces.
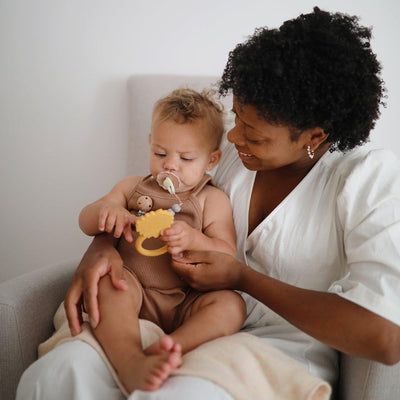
{"x":151,"y":225}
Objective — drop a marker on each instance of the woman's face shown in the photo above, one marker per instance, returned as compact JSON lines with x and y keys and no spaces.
{"x":262,"y":146}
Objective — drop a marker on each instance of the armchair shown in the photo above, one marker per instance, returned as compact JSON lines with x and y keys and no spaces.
{"x":28,"y":302}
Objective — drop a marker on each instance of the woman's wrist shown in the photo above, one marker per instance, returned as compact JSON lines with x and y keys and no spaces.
{"x":243,"y":277}
{"x":249,"y":280}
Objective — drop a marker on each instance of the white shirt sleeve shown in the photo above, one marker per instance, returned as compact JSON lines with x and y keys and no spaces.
{"x":368,"y":208}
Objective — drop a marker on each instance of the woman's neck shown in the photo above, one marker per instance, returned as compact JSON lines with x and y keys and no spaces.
{"x":299,"y":169}
{"x":271,"y":187}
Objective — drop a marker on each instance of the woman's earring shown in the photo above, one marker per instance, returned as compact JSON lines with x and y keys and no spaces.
{"x":310,"y":152}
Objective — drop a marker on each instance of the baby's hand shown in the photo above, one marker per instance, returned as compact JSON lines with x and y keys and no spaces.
{"x":113,"y":217}
{"x":179,"y":237}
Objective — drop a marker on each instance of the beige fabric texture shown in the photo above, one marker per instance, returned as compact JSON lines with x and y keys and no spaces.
{"x":242,"y":364}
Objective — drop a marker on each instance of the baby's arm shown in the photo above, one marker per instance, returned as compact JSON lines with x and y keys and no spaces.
{"x":110,"y":213}
{"x":218,"y":228}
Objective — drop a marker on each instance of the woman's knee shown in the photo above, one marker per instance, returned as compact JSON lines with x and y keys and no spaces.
{"x":183,"y":388}
{"x":72,"y":370}
{"x":52,"y":374}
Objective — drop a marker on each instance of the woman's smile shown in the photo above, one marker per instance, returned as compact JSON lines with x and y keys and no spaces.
{"x":244,"y":156}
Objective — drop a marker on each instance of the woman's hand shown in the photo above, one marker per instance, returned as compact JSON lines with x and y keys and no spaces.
{"x":100,"y":259}
{"x":209,"y":270}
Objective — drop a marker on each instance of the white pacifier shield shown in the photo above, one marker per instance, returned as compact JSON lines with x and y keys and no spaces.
{"x":168,"y":181}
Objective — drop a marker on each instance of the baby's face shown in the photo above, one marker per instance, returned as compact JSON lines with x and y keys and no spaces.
{"x":186,"y":150}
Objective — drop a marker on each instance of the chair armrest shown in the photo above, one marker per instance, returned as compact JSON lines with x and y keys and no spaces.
{"x":27,"y":307}
{"x":368,"y":380}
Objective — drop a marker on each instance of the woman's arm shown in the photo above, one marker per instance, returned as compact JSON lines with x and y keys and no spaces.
{"x":327,"y":317}
{"x":101,"y":258}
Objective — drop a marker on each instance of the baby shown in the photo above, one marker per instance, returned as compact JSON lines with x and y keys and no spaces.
{"x":187,"y":127}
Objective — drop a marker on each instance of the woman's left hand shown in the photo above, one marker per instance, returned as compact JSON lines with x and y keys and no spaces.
{"x":208,"y":270}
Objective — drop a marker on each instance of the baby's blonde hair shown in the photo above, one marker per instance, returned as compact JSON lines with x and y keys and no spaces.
{"x":186,"y":105}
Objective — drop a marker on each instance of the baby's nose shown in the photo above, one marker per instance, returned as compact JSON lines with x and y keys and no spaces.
{"x":170,"y":164}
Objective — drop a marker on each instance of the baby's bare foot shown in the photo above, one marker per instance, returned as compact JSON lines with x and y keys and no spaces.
{"x":149,"y":372}
{"x":162,"y":345}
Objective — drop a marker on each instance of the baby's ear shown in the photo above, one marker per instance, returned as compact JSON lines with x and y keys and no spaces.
{"x":215,"y":156}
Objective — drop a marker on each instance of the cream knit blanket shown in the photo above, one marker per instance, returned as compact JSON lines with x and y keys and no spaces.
{"x":242,"y":364}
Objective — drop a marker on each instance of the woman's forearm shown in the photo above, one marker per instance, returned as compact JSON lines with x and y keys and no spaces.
{"x":327,"y":317}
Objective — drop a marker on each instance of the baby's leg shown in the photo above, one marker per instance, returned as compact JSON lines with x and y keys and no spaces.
{"x":212,"y":315}
{"x":118,"y":333}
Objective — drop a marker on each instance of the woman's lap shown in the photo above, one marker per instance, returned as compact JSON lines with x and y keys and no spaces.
{"x":71,"y":371}
{"x":183,"y":388}
{"x":74,"y":370}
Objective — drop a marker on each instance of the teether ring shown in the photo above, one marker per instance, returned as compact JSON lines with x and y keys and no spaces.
{"x":151,"y":225}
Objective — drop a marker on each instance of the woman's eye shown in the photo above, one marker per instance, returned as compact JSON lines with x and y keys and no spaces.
{"x":253,"y":141}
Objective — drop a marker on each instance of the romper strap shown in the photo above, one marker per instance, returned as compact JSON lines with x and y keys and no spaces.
{"x":207,"y":179}
{"x":142,"y":178}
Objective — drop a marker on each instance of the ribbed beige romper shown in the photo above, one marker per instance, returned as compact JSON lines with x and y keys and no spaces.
{"x":165,"y":297}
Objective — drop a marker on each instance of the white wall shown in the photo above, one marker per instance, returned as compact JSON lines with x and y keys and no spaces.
{"x":63,"y":99}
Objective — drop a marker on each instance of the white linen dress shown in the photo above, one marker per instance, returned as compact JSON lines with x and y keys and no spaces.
{"x":337,"y":231}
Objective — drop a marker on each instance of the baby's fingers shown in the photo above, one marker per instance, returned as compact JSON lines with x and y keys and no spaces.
{"x":128,"y":233}
{"x":102,"y":219}
{"x":131,"y":220}
{"x":170,"y":240}
{"x":110,"y":222}
{"x":175,"y":250}
{"x":120,"y":223}
{"x":174,"y":230}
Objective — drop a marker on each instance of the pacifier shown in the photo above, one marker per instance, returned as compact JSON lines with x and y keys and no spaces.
{"x":168,"y":181}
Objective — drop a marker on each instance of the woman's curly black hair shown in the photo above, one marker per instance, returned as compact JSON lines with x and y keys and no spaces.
{"x":317,"y":70}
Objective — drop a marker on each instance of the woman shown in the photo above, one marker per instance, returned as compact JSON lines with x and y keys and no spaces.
{"x":317,"y":216}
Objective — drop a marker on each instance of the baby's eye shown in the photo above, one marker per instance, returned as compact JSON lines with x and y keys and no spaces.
{"x":186,"y":159}
{"x":159,"y":154}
